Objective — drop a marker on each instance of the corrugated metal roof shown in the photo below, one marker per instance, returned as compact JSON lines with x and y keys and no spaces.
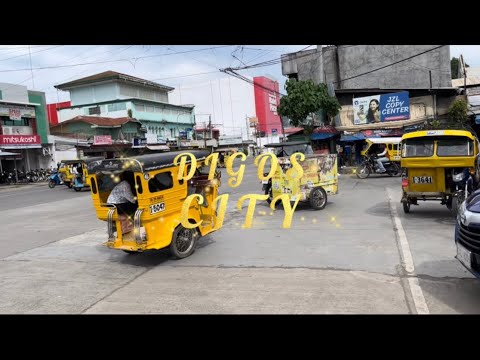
{"x":111,"y":75}
{"x":97,"y":120}
{"x":471,"y":80}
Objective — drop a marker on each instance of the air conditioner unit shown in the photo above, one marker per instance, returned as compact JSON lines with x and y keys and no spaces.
{"x":7,"y":130}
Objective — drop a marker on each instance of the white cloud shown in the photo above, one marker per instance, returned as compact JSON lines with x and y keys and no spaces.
{"x":165,"y":67}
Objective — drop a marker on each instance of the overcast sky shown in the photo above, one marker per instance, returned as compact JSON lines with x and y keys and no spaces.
{"x":40,"y":67}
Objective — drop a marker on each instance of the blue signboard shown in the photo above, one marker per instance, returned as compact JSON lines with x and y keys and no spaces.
{"x":381,"y":108}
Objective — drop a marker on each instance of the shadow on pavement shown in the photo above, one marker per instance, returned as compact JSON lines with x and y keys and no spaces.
{"x":152,"y":258}
{"x":380,"y":209}
{"x":439,"y":213}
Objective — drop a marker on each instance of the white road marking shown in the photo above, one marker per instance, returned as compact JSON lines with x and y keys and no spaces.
{"x":407,"y":260}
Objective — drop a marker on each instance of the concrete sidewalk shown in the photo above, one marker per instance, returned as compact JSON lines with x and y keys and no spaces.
{"x":6,"y":187}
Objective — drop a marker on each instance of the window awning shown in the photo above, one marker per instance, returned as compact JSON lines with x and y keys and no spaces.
{"x":321,"y":136}
{"x":354,"y":137}
{"x":158,"y":147}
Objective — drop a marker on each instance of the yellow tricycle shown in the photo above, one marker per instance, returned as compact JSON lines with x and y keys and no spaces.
{"x":153,"y":220}
{"x":438,"y":165}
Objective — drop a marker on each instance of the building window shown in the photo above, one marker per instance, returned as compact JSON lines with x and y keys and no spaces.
{"x":94,"y":110}
{"x":117,"y":107}
{"x":6,"y":121}
{"x":139,"y":107}
{"x":149,"y":108}
{"x":172,"y":133}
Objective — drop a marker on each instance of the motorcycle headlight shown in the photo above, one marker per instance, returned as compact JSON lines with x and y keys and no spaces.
{"x":458,"y":177}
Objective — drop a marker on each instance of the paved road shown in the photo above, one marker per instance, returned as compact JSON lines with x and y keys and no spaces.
{"x":350,"y":257}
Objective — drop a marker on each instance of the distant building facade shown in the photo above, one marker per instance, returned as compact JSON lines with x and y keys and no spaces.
{"x":115,"y":95}
{"x":24,"y":127}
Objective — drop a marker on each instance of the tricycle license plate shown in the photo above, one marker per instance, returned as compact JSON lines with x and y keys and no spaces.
{"x":464,"y":256}
{"x":264,"y":181}
{"x":422,"y":179}
{"x":155,"y":208}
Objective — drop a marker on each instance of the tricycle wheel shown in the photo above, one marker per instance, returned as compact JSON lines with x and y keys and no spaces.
{"x":363,"y":171}
{"x":270,"y":195}
{"x":183,"y":242}
{"x":51,"y":184}
{"x":77,"y":188}
{"x":406,"y":206}
{"x":318,"y":198}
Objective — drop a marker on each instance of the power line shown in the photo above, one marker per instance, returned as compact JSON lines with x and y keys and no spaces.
{"x":110,"y":61}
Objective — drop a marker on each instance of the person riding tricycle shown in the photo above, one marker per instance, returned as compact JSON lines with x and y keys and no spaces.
{"x":438,"y":165}
{"x":141,"y":198}
{"x":319,"y":175}
{"x":223,"y":155}
{"x":80,"y":172}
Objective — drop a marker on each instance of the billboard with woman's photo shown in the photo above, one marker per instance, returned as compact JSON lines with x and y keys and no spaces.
{"x":380,"y":108}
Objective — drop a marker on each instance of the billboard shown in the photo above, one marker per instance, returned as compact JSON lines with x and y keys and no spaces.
{"x":102,"y":140}
{"x":381,"y":108}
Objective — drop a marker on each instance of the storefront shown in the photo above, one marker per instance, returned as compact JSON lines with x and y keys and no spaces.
{"x":23,"y":130}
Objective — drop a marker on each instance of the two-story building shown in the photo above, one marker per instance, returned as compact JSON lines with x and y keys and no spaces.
{"x":114,"y":95}
{"x":405,"y":86}
{"x":24,"y":127}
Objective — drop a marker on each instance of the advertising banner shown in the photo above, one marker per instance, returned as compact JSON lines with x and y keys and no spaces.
{"x":381,"y":108}
{"x":102,"y":140}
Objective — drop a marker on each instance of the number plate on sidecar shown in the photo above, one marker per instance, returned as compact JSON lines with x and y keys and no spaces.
{"x":422,"y":179}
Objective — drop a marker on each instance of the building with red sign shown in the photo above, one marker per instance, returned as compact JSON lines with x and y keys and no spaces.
{"x":24,"y":127}
{"x":52,"y":111}
{"x":245,"y":112}
{"x":267,"y":98}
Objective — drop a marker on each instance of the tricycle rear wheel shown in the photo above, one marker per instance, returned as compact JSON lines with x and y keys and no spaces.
{"x":183,"y":242}
{"x":318,"y":198}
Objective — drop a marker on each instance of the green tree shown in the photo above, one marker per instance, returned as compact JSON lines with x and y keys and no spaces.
{"x":303,"y":100}
{"x":454,"y":64}
{"x":458,"y":113}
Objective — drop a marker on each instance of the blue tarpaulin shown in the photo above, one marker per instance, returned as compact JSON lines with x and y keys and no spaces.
{"x":321,"y":136}
{"x":354,"y":137}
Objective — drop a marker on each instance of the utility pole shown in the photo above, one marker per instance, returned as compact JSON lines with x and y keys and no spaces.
{"x":248,"y":127}
{"x":464,"y":76}
{"x":204,"y":138}
{"x":210,"y":127}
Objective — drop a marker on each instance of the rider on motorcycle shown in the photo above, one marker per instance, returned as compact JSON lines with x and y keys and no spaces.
{"x":381,"y":158}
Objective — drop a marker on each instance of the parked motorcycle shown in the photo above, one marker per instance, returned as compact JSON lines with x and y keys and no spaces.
{"x":463,"y":187}
{"x":369,"y":166}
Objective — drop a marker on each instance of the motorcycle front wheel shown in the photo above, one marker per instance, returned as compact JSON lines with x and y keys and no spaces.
{"x":363,"y":171}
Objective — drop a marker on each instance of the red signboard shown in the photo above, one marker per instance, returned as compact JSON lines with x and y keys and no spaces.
{"x":19,"y":139}
{"x":266,"y":101}
{"x":102,"y":140}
